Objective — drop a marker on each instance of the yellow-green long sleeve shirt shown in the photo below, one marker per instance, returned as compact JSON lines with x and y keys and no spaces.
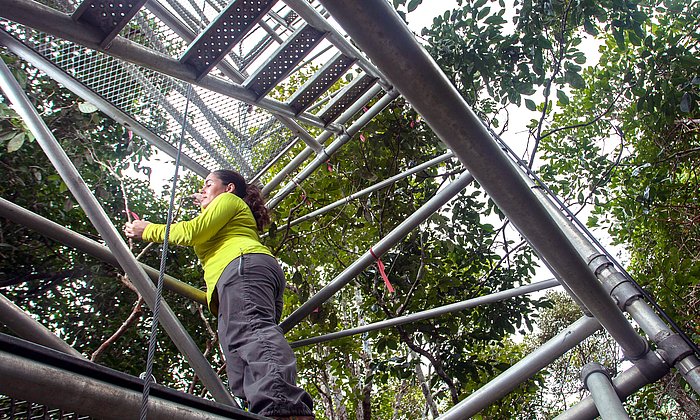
{"x":222,"y":232}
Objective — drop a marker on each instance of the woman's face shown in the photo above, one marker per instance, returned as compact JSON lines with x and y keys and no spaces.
{"x":213,"y":186}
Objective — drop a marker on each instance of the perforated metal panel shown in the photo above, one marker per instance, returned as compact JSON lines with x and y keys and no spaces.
{"x":320,"y":82}
{"x":223,"y":33}
{"x":284,"y":60}
{"x":349,"y":96}
{"x":110,"y":16}
{"x":13,"y":409}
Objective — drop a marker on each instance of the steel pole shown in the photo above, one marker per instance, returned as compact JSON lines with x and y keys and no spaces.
{"x":66,"y":236}
{"x":37,"y":382}
{"x":29,"y":329}
{"x":381,"y":34}
{"x":375,"y":187}
{"x":332,"y":148}
{"x":430,"y":313}
{"x":367,"y":259}
{"x":109,"y":233}
{"x":675,"y":352}
{"x":626,"y":384}
{"x":523,"y":370}
{"x":597,"y":380}
{"x":308,"y":151}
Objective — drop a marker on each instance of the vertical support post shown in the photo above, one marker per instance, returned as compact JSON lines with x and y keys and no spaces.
{"x":597,"y":380}
{"x":626,"y":383}
{"x":109,"y":233}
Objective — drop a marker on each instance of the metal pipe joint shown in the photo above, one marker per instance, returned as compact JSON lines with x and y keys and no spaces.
{"x":671,"y":347}
{"x":591,"y":368}
{"x":620,"y":287}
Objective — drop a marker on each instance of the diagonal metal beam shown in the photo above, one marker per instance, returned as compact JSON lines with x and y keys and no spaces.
{"x":370,"y":189}
{"x":376,"y":28}
{"x":109,"y":233}
{"x":431,"y":313}
{"x":30,"y":329}
{"x":523,"y":370}
{"x":381,"y":247}
{"x":323,"y":157}
{"x":321,"y":139}
{"x":50,"y":229}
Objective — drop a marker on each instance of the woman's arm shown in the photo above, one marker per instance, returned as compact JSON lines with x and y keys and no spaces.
{"x":191,"y":232}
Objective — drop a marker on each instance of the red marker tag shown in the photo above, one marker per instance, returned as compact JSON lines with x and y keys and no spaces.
{"x":382,"y":273}
{"x":134,"y":215}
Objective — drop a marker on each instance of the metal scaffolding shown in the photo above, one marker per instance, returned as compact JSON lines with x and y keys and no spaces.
{"x":238,"y":58}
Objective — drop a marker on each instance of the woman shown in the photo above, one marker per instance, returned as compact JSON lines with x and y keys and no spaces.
{"x":245,"y":285}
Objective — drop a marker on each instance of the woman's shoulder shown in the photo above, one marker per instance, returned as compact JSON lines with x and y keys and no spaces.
{"x":228,"y":199}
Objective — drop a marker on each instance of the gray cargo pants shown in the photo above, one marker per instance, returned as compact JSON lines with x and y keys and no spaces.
{"x":260,"y":364}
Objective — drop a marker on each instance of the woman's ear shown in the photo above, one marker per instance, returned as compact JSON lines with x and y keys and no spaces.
{"x":231,"y":188}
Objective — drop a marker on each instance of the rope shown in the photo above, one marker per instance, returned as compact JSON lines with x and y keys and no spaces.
{"x":161,"y":274}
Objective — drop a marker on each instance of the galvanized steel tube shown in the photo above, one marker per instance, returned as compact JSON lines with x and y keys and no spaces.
{"x":626,"y":384}
{"x":386,"y":243}
{"x":30,"y":329}
{"x":66,"y":236}
{"x":383,"y":36}
{"x":332,"y":148}
{"x":595,"y":378}
{"x":430,"y":313}
{"x":523,"y":370}
{"x":375,"y":187}
{"x":28,"y":380}
{"x":307,"y":152}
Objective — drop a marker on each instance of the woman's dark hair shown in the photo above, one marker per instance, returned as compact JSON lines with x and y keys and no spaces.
{"x":250,"y":193}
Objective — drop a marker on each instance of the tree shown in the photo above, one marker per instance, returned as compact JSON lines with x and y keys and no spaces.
{"x":455,"y":256}
{"x":83,"y":300}
{"x":621,"y":136}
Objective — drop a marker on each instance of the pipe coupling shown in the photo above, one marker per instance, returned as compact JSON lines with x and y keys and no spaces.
{"x":591,"y":368}
{"x":671,"y":347}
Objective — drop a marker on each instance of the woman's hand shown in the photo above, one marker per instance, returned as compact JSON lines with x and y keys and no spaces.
{"x":134,"y":230}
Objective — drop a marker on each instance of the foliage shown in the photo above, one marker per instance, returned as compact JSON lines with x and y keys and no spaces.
{"x":82,"y":299}
{"x":451,"y":258}
{"x":621,"y":136}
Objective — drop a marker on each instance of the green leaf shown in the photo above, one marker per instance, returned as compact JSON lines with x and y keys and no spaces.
{"x":561,"y":96}
{"x":87,"y":107}
{"x":530,"y":104}
{"x":16,"y":142}
{"x":413,"y":4}
{"x":574,"y":80}
{"x":483,"y":13}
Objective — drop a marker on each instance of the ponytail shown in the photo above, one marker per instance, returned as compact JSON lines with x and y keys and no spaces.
{"x":250,"y":194}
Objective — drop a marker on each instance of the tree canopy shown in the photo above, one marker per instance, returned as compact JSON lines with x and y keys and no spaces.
{"x":619,"y":139}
